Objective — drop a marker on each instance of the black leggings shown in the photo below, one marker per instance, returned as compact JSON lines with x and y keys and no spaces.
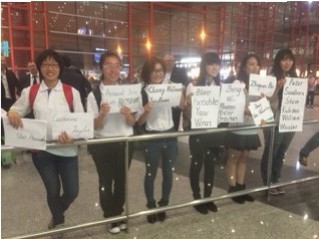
{"x":202,"y":152}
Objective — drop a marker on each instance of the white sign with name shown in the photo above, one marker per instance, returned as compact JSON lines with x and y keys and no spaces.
{"x":165,"y":94}
{"x":205,"y":107}
{"x":118,"y":96}
{"x":232,"y":103}
{"x":293,"y":105}
{"x":77,"y":125}
{"x":261,"y":110}
{"x":33,"y":134}
{"x":259,"y":85}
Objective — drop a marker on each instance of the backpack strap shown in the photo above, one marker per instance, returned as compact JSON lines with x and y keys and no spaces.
{"x":97,"y":94}
{"x":68,"y":96}
{"x":67,"y":90}
{"x":32,"y":94}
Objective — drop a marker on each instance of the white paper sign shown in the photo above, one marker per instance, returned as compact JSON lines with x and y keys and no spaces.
{"x":232,"y":103}
{"x":77,"y":125}
{"x":3,"y":112}
{"x":205,"y":107}
{"x":165,"y":94}
{"x":293,"y":105}
{"x":118,"y":96}
{"x":265,"y":85}
{"x":33,"y":135}
{"x":261,"y":110}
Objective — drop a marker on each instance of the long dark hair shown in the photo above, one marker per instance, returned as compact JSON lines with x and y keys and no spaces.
{"x":243,"y":76}
{"x":148,"y":68}
{"x":208,"y":58}
{"x":276,"y":69}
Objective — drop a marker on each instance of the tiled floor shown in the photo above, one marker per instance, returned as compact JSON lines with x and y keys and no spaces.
{"x":295,"y":215}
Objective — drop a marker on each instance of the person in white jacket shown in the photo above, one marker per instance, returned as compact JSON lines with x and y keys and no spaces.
{"x":57,"y":167}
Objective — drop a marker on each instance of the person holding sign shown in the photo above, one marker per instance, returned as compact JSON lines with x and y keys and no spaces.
{"x":204,"y":149}
{"x":109,"y":158}
{"x":157,"y":118}
{"x":284,"y":66}
{"x":241,"y":142}
{"x":57,"y":166}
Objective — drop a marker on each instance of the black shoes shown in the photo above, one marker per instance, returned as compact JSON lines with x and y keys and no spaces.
{"x":240,"y":199}
{"x":161,"y":216}
{"x":206,"y":207}
{"x":237,"y":199}
{"x":248,"y":198}
{"x":201,"y":208}
{"x":303,"y":160}
{"x":151,"y":218}
{"x":211,"y":207}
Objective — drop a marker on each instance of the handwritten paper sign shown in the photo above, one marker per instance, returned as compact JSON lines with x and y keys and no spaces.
{"x":33,"y":135}
{"x":165,"y":94}
{"x":265,"y":85}
{"x":232,"y":103}
{"x":118,"y":96}
{"x":205,"y":107}
{"x":293,"y":105}
{"x":3,"y":112}
{"x":77,"y":125}
{"x":261,"y":110}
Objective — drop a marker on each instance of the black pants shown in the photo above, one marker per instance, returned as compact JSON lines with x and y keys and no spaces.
{"x":109,"y":159}
{"x":203,"y":152}
{"x":176,"y":111}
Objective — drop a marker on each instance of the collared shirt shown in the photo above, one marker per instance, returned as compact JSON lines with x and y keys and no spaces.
{"x":167,"y":78}
{"x":44,"y":105}
{"x":114,"y":124}
{"x":5,"y":85}
{"x":32,"y":78}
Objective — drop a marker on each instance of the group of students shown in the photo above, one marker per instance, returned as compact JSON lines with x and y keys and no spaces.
{"x":59,"y":166}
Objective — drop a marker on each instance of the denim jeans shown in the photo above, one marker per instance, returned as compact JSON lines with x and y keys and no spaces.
{"x":281,"y":145}
{"x":109,"y":159}
{"x":165,"y":149}
{"x":202,"y":153}
{"x":311,"y":145}
{"x":57,"y":171}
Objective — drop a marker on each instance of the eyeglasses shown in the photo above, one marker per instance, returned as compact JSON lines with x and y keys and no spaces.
{"x":112,"y":66}
{"x":52,"y":65}
{"x":160,"y":71}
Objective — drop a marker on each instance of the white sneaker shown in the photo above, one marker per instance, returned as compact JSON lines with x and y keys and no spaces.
{"x":123,"y":226}
{"x":114,"y":229}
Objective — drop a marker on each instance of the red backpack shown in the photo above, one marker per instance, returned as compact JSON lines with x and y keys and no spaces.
{"x":67,"y":93}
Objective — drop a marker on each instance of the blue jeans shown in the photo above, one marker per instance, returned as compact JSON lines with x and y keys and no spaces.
{"x":165,"y":149}
{"x":311,"y":145}
{"x":56,"y":171}
{"x":281,"y":145}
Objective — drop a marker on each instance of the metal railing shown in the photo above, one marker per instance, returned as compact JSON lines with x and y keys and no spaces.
{"x":129,"y":139}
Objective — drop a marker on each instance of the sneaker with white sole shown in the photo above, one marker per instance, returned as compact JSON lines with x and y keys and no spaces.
{"x":53,"y":225}
{"x":114,"y":229}
{"x":123,"y":226}
{"x":281,"y":190}
{"x":273,"y":192}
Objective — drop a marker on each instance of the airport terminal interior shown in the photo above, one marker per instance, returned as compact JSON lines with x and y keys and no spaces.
{"x":186,"y":30}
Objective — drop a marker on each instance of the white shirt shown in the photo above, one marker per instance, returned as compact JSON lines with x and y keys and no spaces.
{"x":160,"y":119}
{"x":167,"y":78}
{"x":32,"y":77}
{"x":114,"y":124}
{"x":5,"y":85}
{"x":44,"y":104}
